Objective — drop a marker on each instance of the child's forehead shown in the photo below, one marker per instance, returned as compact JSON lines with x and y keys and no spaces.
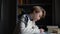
{"x":37,"y":11}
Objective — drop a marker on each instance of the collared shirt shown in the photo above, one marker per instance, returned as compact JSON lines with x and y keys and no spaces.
{"x":28,"y":26}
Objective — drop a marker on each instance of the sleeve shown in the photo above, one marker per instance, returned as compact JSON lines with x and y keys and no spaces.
{"x":23,"y":22}
{"x":24,"y":27}
{"x":36,"y":29}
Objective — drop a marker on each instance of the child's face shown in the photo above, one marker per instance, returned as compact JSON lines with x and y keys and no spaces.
{"x":38,"y":15}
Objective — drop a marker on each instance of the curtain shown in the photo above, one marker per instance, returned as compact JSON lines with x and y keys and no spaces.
{"x":8,"y":16}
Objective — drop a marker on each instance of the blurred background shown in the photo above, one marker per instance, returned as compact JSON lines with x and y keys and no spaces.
{"x":24,"y":6}
{"x":48,"y":23}
{"x":10,"y":9}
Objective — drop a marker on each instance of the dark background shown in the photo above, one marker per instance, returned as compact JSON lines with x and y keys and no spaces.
{"x":47,"y":5}
{"x":8,"y":15}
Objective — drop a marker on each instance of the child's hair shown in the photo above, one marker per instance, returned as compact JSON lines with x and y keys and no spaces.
{"x":40,"y":8}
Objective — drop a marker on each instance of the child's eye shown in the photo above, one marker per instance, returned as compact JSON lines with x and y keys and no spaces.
{"x":37,"y":11}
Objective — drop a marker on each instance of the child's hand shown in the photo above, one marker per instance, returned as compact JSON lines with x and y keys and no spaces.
{"x":41,"y":30}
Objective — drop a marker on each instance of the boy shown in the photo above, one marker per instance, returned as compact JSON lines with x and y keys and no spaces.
{"x":28,"y":20}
